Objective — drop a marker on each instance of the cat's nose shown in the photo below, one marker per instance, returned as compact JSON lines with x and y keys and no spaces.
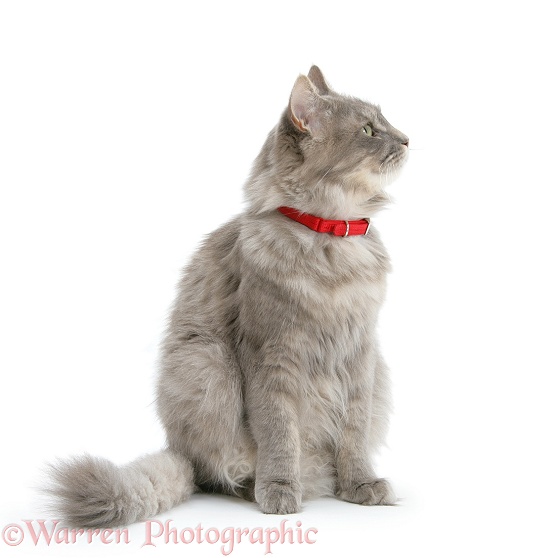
{"x":405,"y":143}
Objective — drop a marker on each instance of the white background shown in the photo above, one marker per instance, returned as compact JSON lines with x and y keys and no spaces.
{"x":126,"y":132}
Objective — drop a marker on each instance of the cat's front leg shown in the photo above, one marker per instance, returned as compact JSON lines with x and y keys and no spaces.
{"x":371,"y":492}
{"x":357,"y":481}
{"x":361,"y":431}
{"x":273,"y":415}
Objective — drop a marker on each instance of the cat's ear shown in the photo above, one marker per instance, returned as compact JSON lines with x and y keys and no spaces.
{"x":318,"y":79}
{"x":306,"y":106}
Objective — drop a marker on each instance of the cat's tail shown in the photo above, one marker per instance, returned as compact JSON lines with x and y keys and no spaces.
{"x":93,"y":492}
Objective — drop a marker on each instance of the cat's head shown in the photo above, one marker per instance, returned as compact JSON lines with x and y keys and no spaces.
{"x":331,"y":154}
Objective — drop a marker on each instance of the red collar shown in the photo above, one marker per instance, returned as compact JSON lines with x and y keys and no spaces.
{"x":334,"y":226}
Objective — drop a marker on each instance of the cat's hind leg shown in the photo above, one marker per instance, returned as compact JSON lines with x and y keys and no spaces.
{"x":200,"y":402}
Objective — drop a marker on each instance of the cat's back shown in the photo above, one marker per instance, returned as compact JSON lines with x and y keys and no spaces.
{"x":206,"y":298}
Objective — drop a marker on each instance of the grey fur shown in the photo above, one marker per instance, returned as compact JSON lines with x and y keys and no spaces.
{"x":272,"y":386}
{"x":93,"y":492}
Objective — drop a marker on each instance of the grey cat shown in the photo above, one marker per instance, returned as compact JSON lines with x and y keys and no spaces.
{"x":272,"y":387}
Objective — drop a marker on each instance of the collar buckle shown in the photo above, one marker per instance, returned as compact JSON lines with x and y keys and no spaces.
{"x":368,"y":225}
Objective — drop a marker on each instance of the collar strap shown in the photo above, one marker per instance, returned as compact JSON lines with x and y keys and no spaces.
{"x":334,"y":226}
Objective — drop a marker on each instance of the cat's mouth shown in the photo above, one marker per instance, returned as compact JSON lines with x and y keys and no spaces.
{"x":394,"y":160}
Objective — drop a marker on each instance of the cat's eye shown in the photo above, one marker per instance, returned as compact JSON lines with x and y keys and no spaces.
{"x":367,"y":130}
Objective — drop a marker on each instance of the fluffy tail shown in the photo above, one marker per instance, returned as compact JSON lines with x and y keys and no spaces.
{"x":93,"y":492}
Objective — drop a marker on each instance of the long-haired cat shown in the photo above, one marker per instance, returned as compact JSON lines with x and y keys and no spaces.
{"x":272,"y":386}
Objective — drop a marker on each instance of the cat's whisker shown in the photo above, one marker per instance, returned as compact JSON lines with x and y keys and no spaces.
{"x":324,"y":175}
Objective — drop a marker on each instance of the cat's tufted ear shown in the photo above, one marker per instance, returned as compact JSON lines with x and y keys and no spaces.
{"x":306,"y":106}
{"x":318,"y":79}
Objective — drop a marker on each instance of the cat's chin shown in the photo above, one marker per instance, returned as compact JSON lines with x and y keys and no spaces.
{"x":381,"y":180}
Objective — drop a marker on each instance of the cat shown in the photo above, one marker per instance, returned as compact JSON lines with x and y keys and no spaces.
{"x":271,"y":383}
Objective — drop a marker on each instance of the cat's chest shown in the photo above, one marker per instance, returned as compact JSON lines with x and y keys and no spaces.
{"x":320,"y":276}
{"x":348,"y":279}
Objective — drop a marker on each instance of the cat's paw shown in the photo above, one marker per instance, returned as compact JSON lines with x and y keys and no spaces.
{"x":280,"y":497}
{"x":376,"y":492}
